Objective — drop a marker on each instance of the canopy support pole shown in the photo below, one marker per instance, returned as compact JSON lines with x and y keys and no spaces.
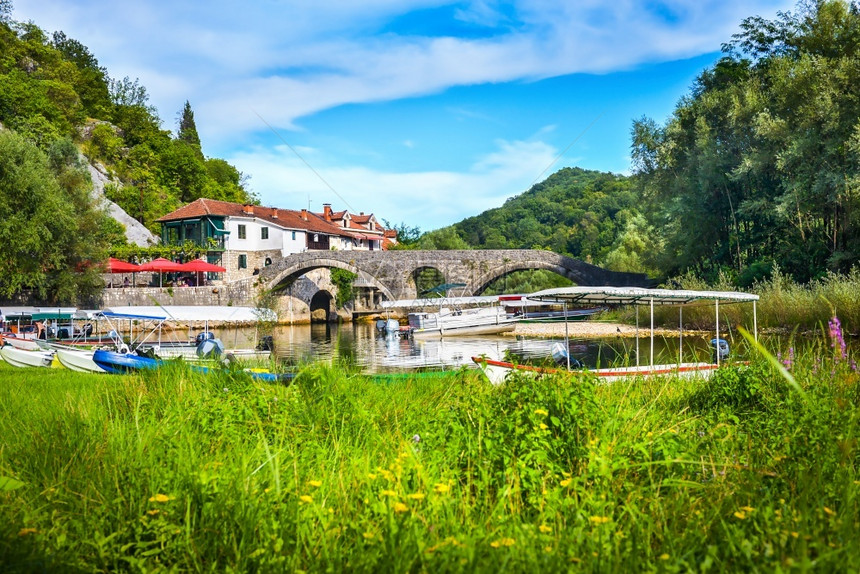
{"x":566,"y":337}
{"x":755,"y":324}
{"x":680,"y":335}
{"x":652,"y":332}
{"x":637,"y":335}
{"x":717,"y":340}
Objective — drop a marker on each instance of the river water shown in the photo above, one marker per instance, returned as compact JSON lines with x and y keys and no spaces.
{"x":361,"y":345}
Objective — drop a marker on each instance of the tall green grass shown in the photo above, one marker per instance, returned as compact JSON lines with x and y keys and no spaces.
{"x":181,"y":472}
{"x":784,"y":305}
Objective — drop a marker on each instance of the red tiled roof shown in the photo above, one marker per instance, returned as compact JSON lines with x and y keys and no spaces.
{"x":285,"y":218}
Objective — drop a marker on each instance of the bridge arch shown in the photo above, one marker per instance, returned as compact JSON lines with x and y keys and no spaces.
{"x":292,"y":272}
{"x":322,"y":301}
{"x":555,"y":264}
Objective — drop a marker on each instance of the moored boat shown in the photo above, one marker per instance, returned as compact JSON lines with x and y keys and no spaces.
{"x":497,"y":371}
{"x":25,"y":358}
{"x":125,"y":363}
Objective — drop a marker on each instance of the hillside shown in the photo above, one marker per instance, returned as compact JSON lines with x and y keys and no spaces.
{"x":86,"y":166}
{"x":586,"y":214}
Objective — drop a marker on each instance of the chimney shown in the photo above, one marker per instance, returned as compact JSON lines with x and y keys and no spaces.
{"x":327,"y":211}
{"x":274,"y":213}
{"x":248,"y":209}
{"x":305,"y":214}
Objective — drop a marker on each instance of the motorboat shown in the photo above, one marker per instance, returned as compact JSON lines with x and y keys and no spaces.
{"x":125,"y":363}
{"x":497,"y":371}
{"x":26,"y":358}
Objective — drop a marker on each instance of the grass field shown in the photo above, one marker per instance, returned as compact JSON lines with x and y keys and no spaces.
{"x":754,"y":469}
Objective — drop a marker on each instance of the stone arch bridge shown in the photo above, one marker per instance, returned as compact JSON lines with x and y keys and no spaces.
{"x":391,"y":274}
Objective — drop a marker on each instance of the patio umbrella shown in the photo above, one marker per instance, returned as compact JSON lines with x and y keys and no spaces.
{"x":201,"y":266}
{"x":120,"y":266}
{"x":161,"y":265}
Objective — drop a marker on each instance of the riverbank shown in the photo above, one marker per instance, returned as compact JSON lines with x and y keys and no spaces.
{"x":585,"y":329}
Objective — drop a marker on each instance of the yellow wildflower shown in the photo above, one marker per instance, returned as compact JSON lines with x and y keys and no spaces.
{"x":315,"y":483}
{"x":371,"y":476}
{"x":503,"y":542}
{"x":794,"y":534}
{"x":545,"y":529}
{"x":740,"y":515}
{"x":566,"y":481}
{"x":664,"y":556}
{"x":27,"y":531}
{"x":153,"y":512}
{"x":369,"y":535}
{"x":547,"y":549}
{"x":416,"y":496}
{"x":388,"y":493}
{"x":541,"y":412}
{"x":543,"y":426}
{"x":441,"y":488}
{"x":599,"y":519}
{"x":828,"y":511}
{"x":159,"y":498}
{"x":747,"y":508}
{"x":399,"y":507}
{"x":306,"y":498}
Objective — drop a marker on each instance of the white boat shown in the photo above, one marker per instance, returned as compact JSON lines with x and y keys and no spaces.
{"x":497,"y":371}
{"x":23,"y":358}
{"x":450,"y":322}
{"x":477,"y":315}
{"x":80,"y":360}
{"x":23,"y":343}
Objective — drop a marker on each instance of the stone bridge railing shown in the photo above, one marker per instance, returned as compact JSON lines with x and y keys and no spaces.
{"x":393,"y":272}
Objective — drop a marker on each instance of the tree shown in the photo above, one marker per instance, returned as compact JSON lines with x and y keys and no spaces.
{"x":188,"y":129}
{"x":49,"y":228}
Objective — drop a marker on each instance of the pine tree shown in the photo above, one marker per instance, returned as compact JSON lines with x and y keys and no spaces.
{"x":188,"y":129}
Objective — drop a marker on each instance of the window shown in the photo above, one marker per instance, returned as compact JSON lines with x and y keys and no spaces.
{"x":294,"y":235}
{"x":264,"y":233}
{"x":316,"y":237}
{"x":242,"y":233}
{"x":243,"y":259}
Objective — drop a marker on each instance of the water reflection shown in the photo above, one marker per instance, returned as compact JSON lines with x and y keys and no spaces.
{"x":363,"y":346}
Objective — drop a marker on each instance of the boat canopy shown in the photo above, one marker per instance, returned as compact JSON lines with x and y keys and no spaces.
{"x":637,"y":296}
{"x":440,"y":301}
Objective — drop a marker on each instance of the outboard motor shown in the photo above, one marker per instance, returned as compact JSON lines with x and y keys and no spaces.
{"x":266,"y":343}
{"x":720,"y":346}
{"x":205,"y":335}
{"x":210,"y":348}
{"x":560,"y":356}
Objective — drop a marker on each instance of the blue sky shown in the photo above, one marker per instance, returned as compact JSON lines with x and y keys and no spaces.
{"x":419,"y":111}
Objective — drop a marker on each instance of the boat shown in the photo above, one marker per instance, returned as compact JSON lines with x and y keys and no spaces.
{"x":24,"y":358}
{"x":536,"y":311}
{"x":80,"y":360}
{"x":22,"y":343}
{"x":125,"y":363}
{"x":497,"y":371}
{"x":454,"y":316}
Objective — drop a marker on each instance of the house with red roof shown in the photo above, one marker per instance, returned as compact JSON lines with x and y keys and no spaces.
{"x":246,"y":238}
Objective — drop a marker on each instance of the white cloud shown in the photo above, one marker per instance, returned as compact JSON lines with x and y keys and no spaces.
{"x":290,"y":59}
{"x":428,"y":199}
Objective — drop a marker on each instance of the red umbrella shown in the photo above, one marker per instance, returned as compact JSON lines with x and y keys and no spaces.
{"x":120,"y":266}
{"x":161,"y":264}
{"x":201,"y":266}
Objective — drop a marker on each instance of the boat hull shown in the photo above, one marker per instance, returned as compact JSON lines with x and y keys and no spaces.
{"x":78,"y":360}
{"x":465,"y":330}
{"x":24,"y":358}
{"x":125,"y":363}
{"x":22,"y":343}
{"x":497,"y":371}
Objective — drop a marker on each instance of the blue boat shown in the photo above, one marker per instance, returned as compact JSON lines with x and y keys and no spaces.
{"x":125,"y":363}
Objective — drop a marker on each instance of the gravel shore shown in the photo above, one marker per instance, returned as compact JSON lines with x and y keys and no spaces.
{"x":585,"y":329}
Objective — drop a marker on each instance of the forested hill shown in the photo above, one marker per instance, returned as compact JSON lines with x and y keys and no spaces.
{"x":575,"y":212}
{"x":59,"y":111}
{"x":758,"y":168}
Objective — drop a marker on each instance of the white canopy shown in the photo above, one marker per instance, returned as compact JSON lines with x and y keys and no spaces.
{"x":636,"y":296}
{"x":440,"y":301}
{"x":200,"y":313}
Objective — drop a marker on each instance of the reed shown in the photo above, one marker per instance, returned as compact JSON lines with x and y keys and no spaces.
{"x":178,"y":471}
